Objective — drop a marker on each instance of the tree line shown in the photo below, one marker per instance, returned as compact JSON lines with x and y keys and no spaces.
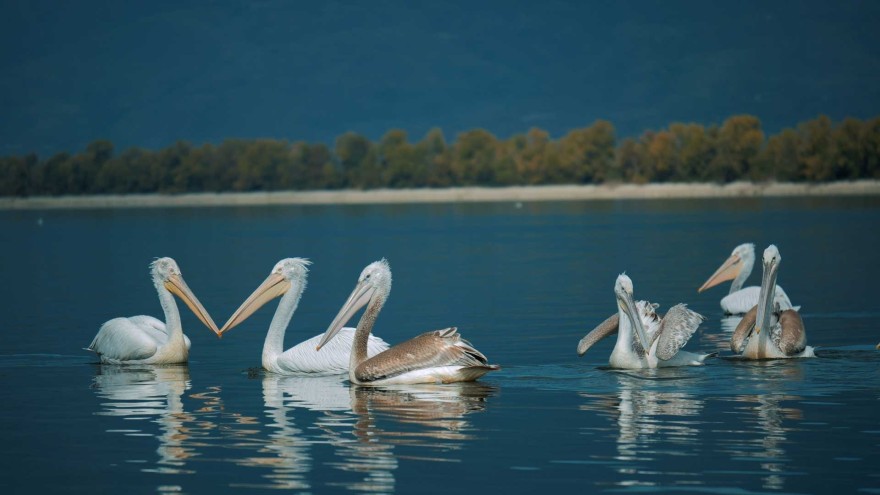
{"x":817,"y":150}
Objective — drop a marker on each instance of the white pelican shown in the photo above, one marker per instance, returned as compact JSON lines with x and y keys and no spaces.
{"x":644,"y":339}
{"x":770,"y":329}
{"x":440,"y":356}
{"x":738,"y":267}
{"x":145,"y":340}
{"x":288,"y":280}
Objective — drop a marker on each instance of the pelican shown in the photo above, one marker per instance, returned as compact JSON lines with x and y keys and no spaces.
{"x":288,"y":281}
{"x":738,"y":267}
{"x":146,"y":340}
{"x":440,"y":356}
{"x":644,"y":339}
{"x":770,"y":330}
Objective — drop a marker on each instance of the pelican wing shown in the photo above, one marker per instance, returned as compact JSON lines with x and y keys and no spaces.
{"x":743,"y":330}
{"x":332,"y":358}
{"x":676,"y":328}
{"x":155,"y":328}
{"x":789,"y":336}
{"x":429,"y":350}
{"x":741,"y":301}
{"x":606,"y":328}
{"x":124,"y":340}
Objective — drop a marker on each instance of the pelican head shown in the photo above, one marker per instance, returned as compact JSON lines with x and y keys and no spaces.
{"x":285,"y":274}
{"x":766,"y":299}
{"x":623,"y":291}
{"x":741,"y":258}
{"x":374,"y":283}
{"x":166,"y":275}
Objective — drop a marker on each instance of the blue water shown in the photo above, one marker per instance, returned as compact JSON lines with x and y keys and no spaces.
{"x":522,"y":282}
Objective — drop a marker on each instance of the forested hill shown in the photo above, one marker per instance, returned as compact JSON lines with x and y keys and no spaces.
{"x":816,"y":150}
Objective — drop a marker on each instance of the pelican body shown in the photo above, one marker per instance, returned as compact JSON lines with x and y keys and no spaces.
{"x":737,"y":267}
{"x":770,"y":330}
{"x":644,"y":338}
{"x":146,"y":340}
{"x":287,"y":280}
{"x":440,"y":356}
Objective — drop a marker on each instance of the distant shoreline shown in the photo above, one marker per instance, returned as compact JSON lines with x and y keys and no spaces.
{"x":451,"y":195}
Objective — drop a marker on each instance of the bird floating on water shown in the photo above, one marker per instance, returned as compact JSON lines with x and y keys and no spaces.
{"x":737,"y":267}
{"x":440,"y":356}
{"x":644,"y":338}
{"x":287,"y":280}
{"x":771,"y":329}
{"x":143,"y":339}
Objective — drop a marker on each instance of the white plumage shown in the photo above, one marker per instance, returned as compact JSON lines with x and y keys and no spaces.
{"x":737,"y":267}
{"x":288,"y":281}
{"x":644,"y":338}
{"x":144,"y":339}
{"x":439,"y":356}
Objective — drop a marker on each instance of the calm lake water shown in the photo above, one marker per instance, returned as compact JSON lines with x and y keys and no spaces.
{"x":523,"y":282}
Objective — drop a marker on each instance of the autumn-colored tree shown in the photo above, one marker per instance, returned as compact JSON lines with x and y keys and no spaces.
{"x":632,"y":161}
{"x":737,"y":146}
{"x":696,"y":149}
{"x":473,"y":158}
{"x":817,"y":150}
{"x":587,"y":154}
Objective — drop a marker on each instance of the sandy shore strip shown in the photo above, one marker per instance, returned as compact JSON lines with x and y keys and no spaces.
{"x":451,"y":195}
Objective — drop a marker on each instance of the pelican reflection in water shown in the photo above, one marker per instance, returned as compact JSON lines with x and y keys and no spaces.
{"x":644,"y":339}
{"x":154,"y":394}
{"x":287,"y":280}
{"x":440,"y":356}
{"x":771,"y":329}
{"x":649,"y":415}
{"x":146,"y":340}
{"x":738,"y":267}
{"x":363,"y":425}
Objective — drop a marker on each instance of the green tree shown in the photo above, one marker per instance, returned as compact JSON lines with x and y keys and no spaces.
{"x":695,"y":148}
{"x":632,"y":162}
{"x":15,"y":175}
{"x":537,"y":157}
{"x":779,"y":160}
{"x":473,"y":158}
{"x":355,"y":154}
{"x":849,"y":151}
{"x":434,"y":154}
{"x":398,"y":159}
{"x":815,"y":154}
{"x":587,"y":154}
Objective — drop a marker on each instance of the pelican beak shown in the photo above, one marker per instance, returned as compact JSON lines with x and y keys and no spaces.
{"x":727,"y":271}
{"x":178,"y":287}
{"x":628,"y":304}
{"x":766,"y":296}
{"x":359,"y":298}
{"x":274,"y":286}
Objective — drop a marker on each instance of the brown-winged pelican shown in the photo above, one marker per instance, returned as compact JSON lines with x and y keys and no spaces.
{"x":770,"y":330}
{"x":737,"y":267}
{"x":440,"y":356}
{"x":644,"y":339}
{"x":288,"y":281}
{"x":146,"y":340}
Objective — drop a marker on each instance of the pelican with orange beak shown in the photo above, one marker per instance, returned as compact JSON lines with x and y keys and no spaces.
{"x":143,"y":339}
{"x":287,"y":280}
{"x":737,"y":267}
